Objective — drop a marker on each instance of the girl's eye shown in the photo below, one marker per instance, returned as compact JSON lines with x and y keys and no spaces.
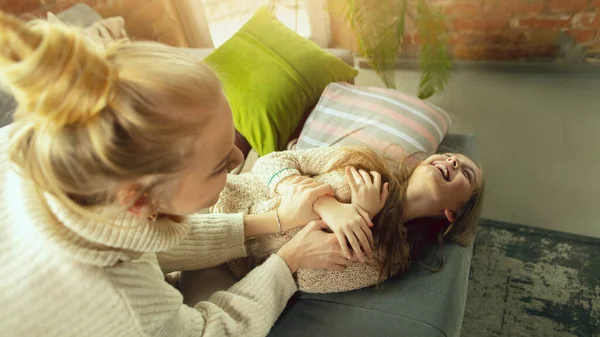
{"x":467,"y":175}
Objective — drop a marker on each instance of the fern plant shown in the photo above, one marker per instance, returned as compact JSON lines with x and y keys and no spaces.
{"x":435,"y":60}
{"x":379,"y":27}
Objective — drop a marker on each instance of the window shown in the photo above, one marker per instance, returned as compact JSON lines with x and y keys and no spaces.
{"x":306,"y":17}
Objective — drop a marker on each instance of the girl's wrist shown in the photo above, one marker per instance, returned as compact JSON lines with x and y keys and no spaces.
{"x":325,"y":204}
{"x":320,"y":204}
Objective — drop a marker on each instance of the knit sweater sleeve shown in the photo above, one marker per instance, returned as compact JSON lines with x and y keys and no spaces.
{"x":273,"y":168}
{"x":249,"y":308}
{"x":213,"y":239}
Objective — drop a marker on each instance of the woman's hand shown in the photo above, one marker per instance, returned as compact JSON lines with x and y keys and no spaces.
{"x":366,"y":192}
{"x":349,"y":223}
{"x":314,"y":249}
{"x":298,"y":198}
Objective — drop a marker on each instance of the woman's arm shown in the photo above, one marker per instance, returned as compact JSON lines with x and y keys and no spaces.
{"x":249,"y":308}
{"x":266,"y":223}
{"x":212,"y":239}
{"x":217,"y":238}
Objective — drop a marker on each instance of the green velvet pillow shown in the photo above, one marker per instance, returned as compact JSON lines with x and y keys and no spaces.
{"x":271,"y":77}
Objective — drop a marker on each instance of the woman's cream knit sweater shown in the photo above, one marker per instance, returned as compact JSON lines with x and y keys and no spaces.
{"x":64,"y":275}
{"x":254,"y":193}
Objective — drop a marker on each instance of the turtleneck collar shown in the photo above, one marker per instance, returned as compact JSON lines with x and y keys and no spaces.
{"x":111,"y":238}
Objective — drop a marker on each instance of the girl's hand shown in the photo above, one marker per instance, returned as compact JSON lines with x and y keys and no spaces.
{"x":313,"y":248}
{"x":298,"y":198}
{"x":366,"y":192}
{"x":350,"y":224}
{"x":287,"y":183}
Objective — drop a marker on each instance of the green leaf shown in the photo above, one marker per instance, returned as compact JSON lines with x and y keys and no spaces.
{"x":379,"y":29}
{"x":402,"y":24}
{"x":435,"y":60}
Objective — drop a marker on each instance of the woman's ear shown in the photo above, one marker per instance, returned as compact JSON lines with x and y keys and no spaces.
{"x":450,"y":215}
{"x":129,"y":196}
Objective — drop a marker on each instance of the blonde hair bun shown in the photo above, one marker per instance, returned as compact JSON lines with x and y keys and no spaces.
{"x":91,"y":117}
{"x":56,"y":74}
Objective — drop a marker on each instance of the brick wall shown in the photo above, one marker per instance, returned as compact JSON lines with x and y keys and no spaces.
{"x":144,"y":19}
{"x":512,"y":30}
{"x":479,"y":29}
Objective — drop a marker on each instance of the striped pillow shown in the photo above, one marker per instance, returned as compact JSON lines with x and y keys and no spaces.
{"x":375,"y":117}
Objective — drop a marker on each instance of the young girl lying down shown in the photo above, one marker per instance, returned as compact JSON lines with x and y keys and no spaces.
{"x":446,"y":187}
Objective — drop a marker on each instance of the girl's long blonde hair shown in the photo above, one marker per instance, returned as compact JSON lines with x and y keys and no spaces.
{"x":91,"y":117}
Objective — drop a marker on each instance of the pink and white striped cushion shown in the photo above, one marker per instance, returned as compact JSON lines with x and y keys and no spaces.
{"x":375,"y":117}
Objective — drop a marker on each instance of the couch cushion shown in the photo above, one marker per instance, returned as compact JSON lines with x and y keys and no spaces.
{"x":324,"y":319}
{"x":271,"y":76}
{"x":375,"y":117}
{"x":419,"y":304}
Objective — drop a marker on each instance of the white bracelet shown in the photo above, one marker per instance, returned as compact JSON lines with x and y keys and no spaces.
{"x":278,"y":222}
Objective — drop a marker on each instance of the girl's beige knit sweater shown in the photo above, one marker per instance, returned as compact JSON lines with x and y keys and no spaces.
{"x":254,"y":193}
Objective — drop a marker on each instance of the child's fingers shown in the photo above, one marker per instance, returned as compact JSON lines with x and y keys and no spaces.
{"x":367,"y":231}
{"x":365,"y":216}
{"x":350,"y":178}
{"x":343,"y":244}
{"x":352,"y":239}
{"x":364,"y":241}
{"x":357,"y":177}
{"x":366,"y":177}
{"x":376,"y":179}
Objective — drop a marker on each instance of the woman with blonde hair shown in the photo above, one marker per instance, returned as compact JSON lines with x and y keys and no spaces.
{"x":112,"y":153}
